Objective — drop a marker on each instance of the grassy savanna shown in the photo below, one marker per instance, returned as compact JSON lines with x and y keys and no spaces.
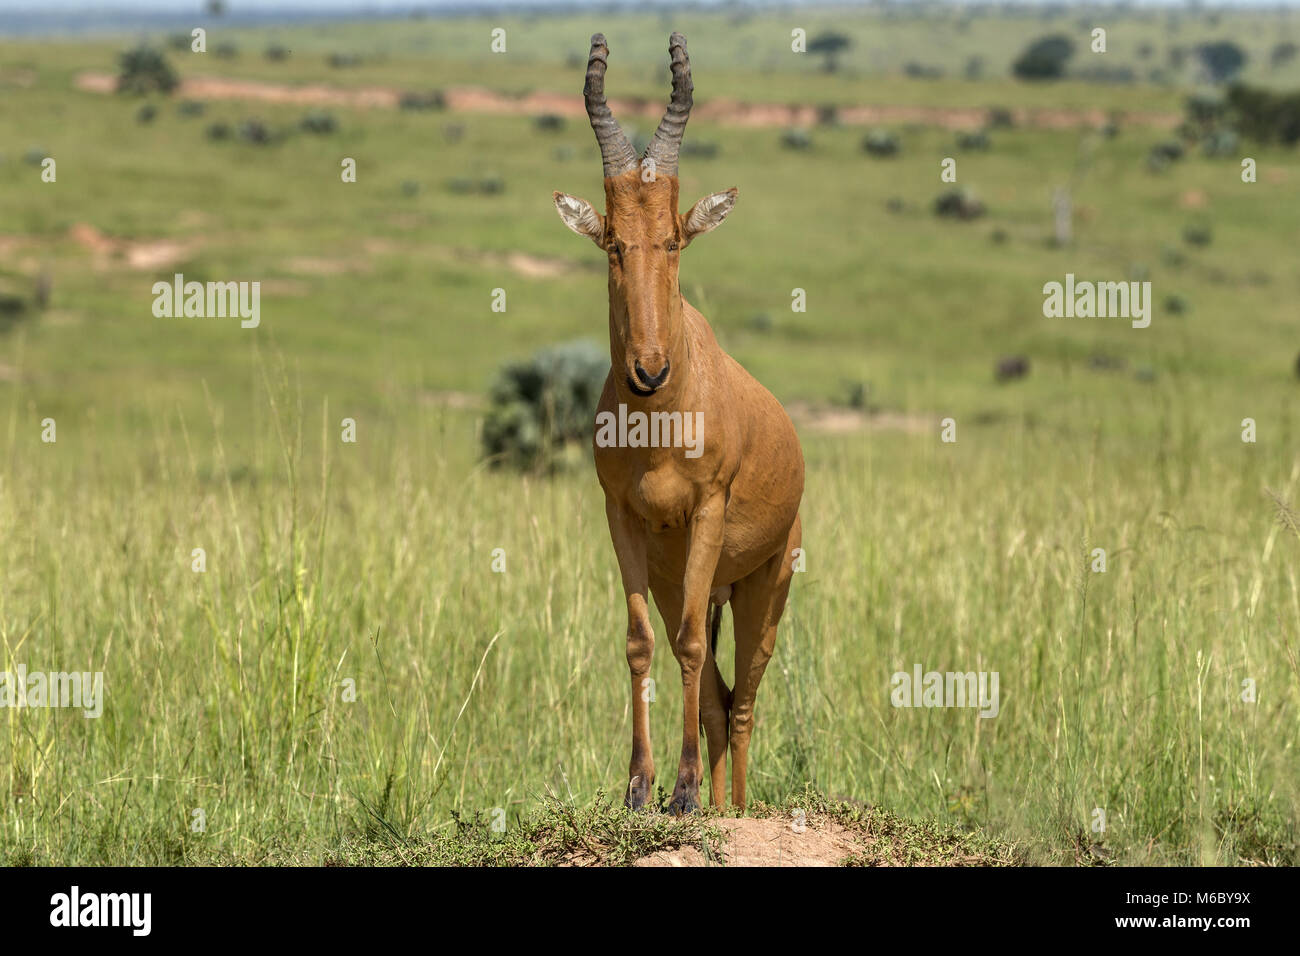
{"x":371,"y":562}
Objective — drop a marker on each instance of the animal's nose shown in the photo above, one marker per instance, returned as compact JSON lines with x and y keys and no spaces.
{"x":652,"y":381}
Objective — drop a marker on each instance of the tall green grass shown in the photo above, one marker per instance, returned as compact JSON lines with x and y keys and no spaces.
{"x":372,"y":562}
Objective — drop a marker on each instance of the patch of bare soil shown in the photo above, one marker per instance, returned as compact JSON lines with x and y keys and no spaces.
{"x":469,"y":99}
{"x":17,"y":76}
{"x":838,"y":420}
{"x":771,"y":841}
{"x":521,"y":263}
{"x":142,"y":254}
{"x":458,"y":400}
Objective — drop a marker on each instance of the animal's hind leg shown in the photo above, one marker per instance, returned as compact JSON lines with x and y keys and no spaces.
{"x":715,"y":712}
{"x":757,"y":601}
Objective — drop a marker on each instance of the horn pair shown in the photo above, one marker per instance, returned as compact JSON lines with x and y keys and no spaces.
{"x":616,"y":152}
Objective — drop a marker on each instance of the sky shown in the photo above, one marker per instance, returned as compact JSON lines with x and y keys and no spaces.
{"x":18,"y":17}
{"x":362,"y":6}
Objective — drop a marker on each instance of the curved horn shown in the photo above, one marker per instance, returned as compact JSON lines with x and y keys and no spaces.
{"x":668,"y":137}
{"x":615,"y":151}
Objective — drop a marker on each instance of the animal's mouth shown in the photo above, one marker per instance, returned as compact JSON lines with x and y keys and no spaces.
{"x":648,"y":384}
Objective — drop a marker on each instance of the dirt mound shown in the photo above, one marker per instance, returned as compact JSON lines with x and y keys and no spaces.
{"x":771,"y":841}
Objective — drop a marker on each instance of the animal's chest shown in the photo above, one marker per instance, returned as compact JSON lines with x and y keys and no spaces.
{"x":664,"y":498}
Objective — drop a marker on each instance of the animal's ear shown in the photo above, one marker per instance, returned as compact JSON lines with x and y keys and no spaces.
{"x":580,"y":216}
{"x":708,"y":213}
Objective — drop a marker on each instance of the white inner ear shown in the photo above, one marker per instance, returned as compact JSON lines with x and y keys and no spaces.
{"x":709,"y":212}
{"x":579,"y":216}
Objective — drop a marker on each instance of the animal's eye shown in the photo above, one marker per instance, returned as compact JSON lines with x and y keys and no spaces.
{"x":616,"y":252}
{"x":672,"y":246}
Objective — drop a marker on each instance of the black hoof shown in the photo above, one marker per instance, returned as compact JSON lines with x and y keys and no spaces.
{"x":683,"y":802}
{"x":638,"y":793}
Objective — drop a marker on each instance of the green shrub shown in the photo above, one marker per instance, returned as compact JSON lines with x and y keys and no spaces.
{"x":881,"y":143}
{"x":699,"y":149}
{"x":959,"y":203}
{"x":319,"y":122}
{"x":254,"y":131}
{"x":1045,"y":58}
{"x":145,"y":70}
{"x":433,"y":100}
{"x":999,"y":117}
{"x":1263,"y":115}
{"x":1222,"y":60}
{"x":796,"y":139}
{"x":542,"y":407}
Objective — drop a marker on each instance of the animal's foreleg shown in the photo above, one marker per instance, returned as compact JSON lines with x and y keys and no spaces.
{"x":703,"y":548}
{"x":628,"y":534}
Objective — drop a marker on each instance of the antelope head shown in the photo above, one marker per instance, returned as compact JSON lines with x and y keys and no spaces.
{"x":641,"y":230}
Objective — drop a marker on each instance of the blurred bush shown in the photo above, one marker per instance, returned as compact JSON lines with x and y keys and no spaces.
{"x":433,"y":100}
{"x":145,"y":70}
{"x":1045,"y":58}
{"x":796,"y":139}
{"x":541,"y":407}
{"x":881,"y":143}
{"x":1264,"y":115}
{"x":975,"y":141}
{"x":1222,"y":60}
{"x":959,"y":204}
{"x":699,"y":149}
{"x":319,"y":122}
{"x":999,"y":117}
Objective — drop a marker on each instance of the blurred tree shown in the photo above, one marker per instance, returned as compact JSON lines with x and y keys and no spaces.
{"x":145,"y":70}
{"x":830,"y":45}
{"x":1045,"y":58}
{"x":1282,"y":54}
{"x":1222,"y":60}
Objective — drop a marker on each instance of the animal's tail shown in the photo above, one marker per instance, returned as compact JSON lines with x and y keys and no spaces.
{"x":715,"y":625}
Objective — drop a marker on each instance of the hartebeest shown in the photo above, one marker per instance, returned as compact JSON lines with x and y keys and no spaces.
{"x":716,"y":526}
